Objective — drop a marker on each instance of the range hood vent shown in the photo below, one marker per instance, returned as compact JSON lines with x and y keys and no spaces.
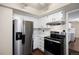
{"x":56,"y":23}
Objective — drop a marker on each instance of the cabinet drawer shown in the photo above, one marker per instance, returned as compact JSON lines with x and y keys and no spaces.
{"x":41,"y":48}
{"x":41,"y":45}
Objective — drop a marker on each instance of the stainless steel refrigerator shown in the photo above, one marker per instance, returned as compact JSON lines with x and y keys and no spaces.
{"x":22,"y":37}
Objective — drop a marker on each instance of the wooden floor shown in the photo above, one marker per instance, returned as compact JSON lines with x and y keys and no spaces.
{"x":37,"y":52}
{"x":74,"y":47}
{"x":73,"y":52}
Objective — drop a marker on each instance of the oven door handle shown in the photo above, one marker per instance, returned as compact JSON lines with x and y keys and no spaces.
{"x":54,"y":41}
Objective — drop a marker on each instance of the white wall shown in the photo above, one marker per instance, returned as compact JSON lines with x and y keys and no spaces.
{"x":5,"y":31}
{"x":76,"y":26}
{"x":73,"y":17}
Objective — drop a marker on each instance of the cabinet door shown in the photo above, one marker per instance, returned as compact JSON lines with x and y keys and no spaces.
{"x":41,"y":44}
{"x":35,"y":42}
{"x":37,"y":23}
{"x":5,"y":31}
{"x":44,"y":21}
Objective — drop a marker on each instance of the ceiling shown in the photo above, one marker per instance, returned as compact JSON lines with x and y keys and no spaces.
{"x":42,"y":8}
{"x":36,"y":8}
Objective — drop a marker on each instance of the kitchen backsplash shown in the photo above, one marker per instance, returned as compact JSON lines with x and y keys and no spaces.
{"x":45,"y":32}
{"x":41,"y":33}
{"x":59,"y":28}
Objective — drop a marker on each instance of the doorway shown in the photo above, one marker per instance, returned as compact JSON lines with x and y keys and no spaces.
{"x":73,"y":32}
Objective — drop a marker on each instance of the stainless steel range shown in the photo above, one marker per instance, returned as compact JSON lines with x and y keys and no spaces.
{"x":54,"y":44}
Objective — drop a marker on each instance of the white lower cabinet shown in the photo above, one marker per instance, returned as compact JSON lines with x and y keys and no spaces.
{"x":35,"y":42}
{"x":41,"y":44}
{"x":38,"y":42}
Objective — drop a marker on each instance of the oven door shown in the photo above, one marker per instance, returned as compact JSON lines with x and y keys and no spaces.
{"x":53,"y":47}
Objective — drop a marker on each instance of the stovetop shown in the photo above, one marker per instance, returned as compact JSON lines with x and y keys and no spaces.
{"x":56,"y":39}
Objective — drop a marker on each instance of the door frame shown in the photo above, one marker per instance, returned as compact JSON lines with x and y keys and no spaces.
{"x":67,"y":21}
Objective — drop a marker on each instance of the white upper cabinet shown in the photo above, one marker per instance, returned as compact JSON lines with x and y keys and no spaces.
{"x":55,"y":17}
{"x":37,"y":23}
{"x":50,"y":18}
{"x":44,"y":21}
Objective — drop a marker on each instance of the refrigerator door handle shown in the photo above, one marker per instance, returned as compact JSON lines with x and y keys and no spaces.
{"x":23,"y":39}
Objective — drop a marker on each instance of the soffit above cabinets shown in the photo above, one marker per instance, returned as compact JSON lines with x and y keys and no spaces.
{"x":37,"y":9}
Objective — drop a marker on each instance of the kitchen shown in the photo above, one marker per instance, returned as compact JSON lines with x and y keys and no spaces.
{"x":43,"y":29}
{"x":48,"y":28}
